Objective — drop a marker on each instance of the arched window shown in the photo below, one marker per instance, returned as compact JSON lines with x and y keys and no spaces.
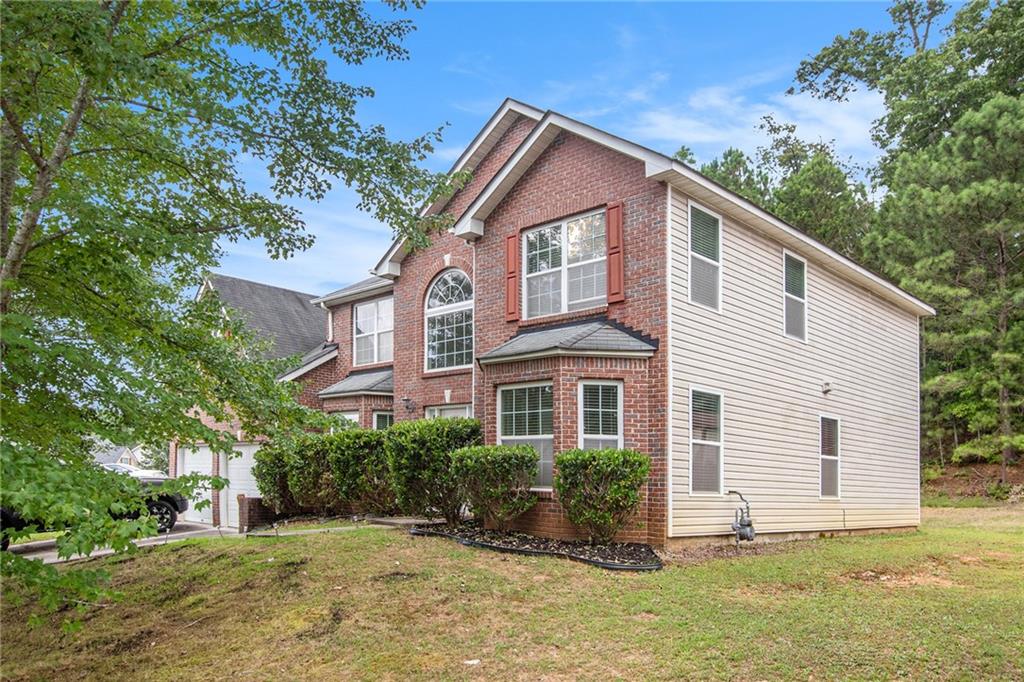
{"x":449,"y":322}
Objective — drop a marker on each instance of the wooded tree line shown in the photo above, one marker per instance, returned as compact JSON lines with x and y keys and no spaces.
{"x":949,"y":223}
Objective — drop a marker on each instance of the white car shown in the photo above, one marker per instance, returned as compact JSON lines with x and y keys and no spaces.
{"x":134,"y":472}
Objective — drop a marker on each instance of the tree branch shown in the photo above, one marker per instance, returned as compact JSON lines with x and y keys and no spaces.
{"x":19,"y":134}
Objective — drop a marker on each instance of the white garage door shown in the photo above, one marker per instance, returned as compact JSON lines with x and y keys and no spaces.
{"x":198,"y":461}
{"x":238,"y":471}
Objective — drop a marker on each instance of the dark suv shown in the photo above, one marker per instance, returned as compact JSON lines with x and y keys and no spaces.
{"x":165,"y":507}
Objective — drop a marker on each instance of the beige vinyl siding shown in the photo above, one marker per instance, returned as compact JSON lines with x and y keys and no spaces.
{"x":865,"y":348}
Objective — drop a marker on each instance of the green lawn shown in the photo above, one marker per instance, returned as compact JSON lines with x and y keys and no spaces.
{"x":942,"y":603}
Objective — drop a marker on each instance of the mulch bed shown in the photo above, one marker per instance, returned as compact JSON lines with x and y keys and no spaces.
{"x":623,"y":556}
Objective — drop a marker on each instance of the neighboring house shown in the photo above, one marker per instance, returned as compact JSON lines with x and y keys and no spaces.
{"x":595,"y":293}
{"x":106,"y":452}
{"x":291,"y":326}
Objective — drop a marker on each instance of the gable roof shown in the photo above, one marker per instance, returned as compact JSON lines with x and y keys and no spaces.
{"x":481,"y":145}
{"x":657,"y":166}
{"x":598,"y":337}
{"x":378,"y":381}
{"x":284,"y":317}
{"x":362,"y":289}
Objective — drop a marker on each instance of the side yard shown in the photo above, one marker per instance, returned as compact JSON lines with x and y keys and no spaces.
{"x":943,"y":603}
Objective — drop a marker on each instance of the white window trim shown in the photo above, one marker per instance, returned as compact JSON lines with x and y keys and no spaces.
{"x":838,"y":458}
{"x":690,"y":205}
{"x":579,"y":409}
{"x":375,"y":333}
{"x":381,"y":412}
{"x":502,"y":439}
{"x":720,"y":443}
{"x":443,"y":310}
{"x":786,"y":295}
{"x":437,"y":408}
{"x":563,"y":268}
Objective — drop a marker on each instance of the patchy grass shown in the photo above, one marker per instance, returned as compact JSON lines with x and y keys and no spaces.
{"x":942,"y":603}
{"x":944,"y":500}
{"x":312,"y":523}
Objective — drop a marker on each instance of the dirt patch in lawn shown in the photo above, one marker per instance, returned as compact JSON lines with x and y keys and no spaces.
{"x":698,"y":554}
{"x":932,"y":574}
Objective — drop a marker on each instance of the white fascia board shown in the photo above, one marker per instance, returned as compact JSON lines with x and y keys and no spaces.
{"x":299,"y":371}
{"x":388,"y":266}
{"x":567,"y":352}
{"x":346,"y":394}
{"x":704,"y":189}
{"x":354,"y":295}
{"x":470,"y":223}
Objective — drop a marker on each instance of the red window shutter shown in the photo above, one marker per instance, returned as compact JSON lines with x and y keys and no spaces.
{"x":616,"y":266}
{"x":512,"y":278}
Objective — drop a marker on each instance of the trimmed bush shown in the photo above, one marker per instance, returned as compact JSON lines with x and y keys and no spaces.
{"x":495,"y":480}
{"x":360,"y":470}
{"x":419,"y":457}
{"x":310,"y":479}
{"x":270,"y":470}
{"x":600,"y":489}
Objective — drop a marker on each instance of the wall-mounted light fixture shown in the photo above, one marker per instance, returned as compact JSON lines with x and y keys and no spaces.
{"x":409,"y":404}
{"x":826,"y":388}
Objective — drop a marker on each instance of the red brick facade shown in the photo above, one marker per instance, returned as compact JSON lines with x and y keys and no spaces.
{"x":571,"y":176}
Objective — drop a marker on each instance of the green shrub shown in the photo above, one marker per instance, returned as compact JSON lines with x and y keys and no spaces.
{"x":419,"y":457}
{"x":270,"y":470}
{"x":495,"y":480}
{"x":360,"y":470}
{"x":600,"y":489}
{"x":998,"y":491}
{"x":310,"y":479}
{"x":930,"y":472}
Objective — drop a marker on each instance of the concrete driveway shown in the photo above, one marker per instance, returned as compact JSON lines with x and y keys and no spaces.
{"x":183,"y":530}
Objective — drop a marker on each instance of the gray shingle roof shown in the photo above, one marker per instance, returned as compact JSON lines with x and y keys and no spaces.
{"x":368,"y":284}
{"x":587,"y":336}
{"x":284,"y":317}
{"x":374,"y":381}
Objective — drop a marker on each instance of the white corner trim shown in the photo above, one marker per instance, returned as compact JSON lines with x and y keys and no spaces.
{"x":299,"y":371}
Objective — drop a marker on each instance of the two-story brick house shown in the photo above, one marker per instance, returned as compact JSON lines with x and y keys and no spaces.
{"x":595,"y":293}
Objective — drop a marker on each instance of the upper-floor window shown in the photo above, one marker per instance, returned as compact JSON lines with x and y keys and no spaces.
{"x":795,"y":294}
{"x":565,"y":266}
{"x":373,"y":325}
{"x":449,"y":322}
{"x":705,"y":258}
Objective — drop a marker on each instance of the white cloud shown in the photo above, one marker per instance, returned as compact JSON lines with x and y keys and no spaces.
{"x":715,"y":117}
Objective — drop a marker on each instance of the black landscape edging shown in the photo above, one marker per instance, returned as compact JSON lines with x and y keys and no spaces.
{"x":536,"y":552}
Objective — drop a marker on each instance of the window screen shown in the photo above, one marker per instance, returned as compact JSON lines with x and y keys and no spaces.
{"x":527,"y":419}
{"x":796,"y":298}
{"x":705,"y":258}
{"x":705,"y":442}
{"x":829,"y":457}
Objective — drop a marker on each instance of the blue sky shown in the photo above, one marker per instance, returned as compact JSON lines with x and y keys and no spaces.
{"x":660,"y":74}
